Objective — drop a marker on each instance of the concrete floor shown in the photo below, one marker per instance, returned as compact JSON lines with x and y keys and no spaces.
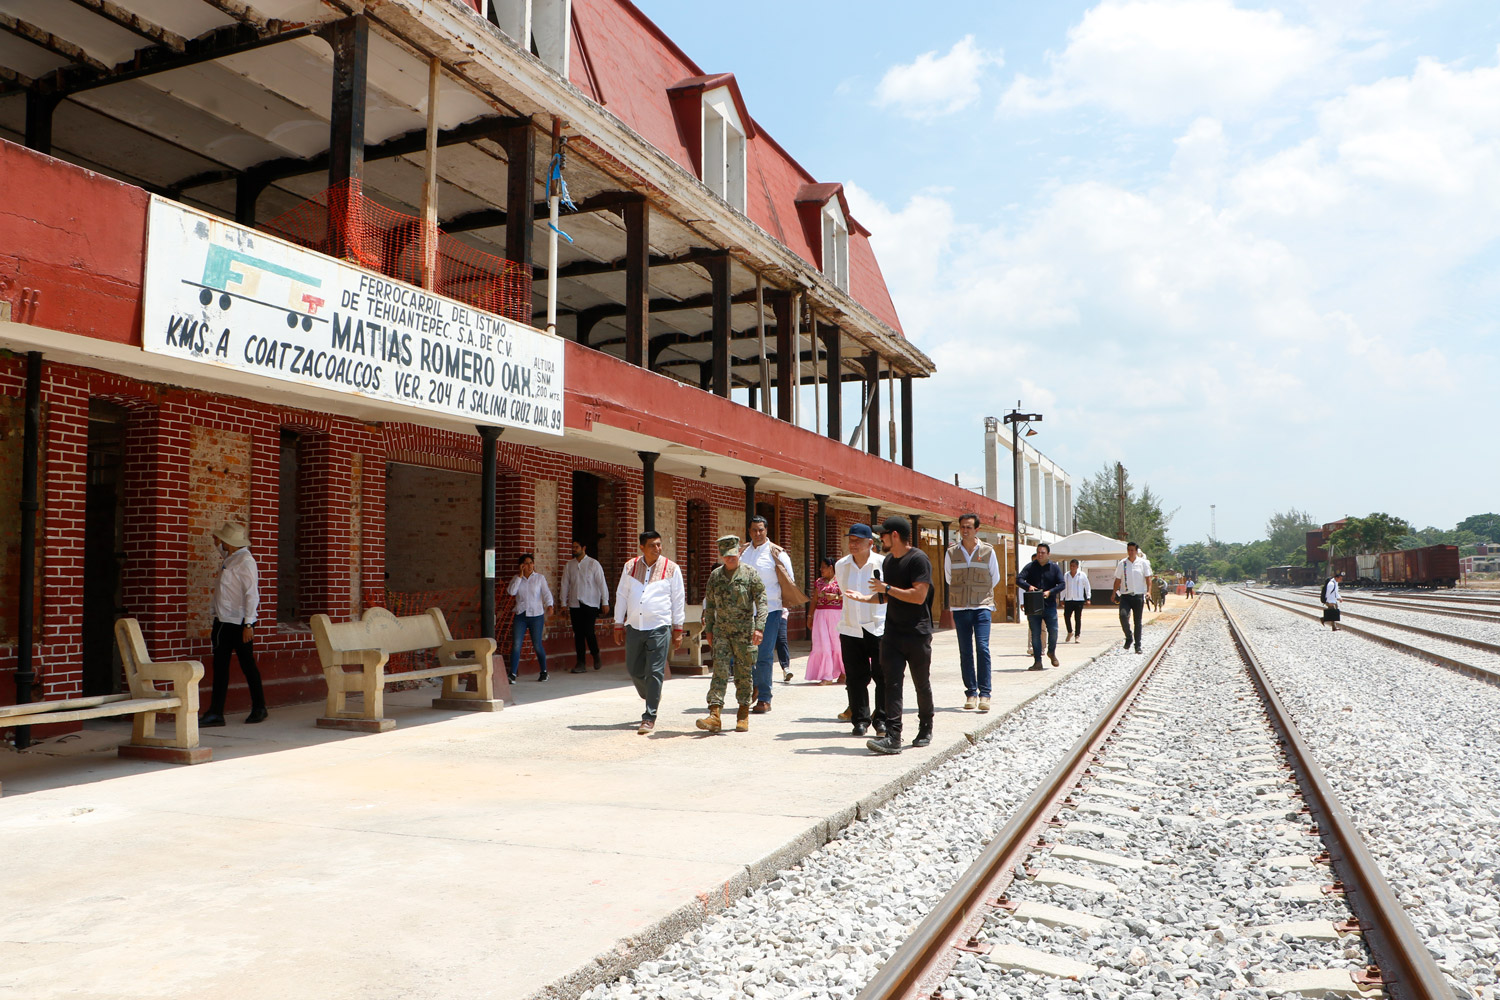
{"x":462,"y":855}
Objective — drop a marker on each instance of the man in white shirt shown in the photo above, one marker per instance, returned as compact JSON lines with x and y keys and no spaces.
{"x":860,"y":627}
{"x":1076,"y":593}
{"x":585,"y":593}
{"x":1132,"y":584}
{"x":649,"y":605}
{"x":533,"y":601}
{"x":236,"y":603}
{"x":1331,"y":599}
{"x":972,"y":572}
{"x":763,"y":556}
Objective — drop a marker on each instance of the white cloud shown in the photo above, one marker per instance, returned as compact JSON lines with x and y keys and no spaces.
{"x":935,"y":85}
{"x":1167,"y":60}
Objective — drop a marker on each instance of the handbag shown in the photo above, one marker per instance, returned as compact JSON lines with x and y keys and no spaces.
{"x":791,"y":594}
{"x":1035,"y":602}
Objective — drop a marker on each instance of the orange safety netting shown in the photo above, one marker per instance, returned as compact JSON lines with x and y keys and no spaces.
{"x":342,"y":222}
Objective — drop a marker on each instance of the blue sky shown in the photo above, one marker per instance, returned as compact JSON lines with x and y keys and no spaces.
{"x":1251,"y":250}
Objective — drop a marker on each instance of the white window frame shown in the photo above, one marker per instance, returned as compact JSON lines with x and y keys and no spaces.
{"x":724,"y":147}
{"x":835,"y":244}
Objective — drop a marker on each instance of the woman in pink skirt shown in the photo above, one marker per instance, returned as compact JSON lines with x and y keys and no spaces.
{"x":826,"y":664}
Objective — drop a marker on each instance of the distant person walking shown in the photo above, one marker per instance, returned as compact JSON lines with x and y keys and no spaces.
{"x":906,"y":584}
{"x":533,"y":601}
{"x":1191,"y":583}
{"x":774,"y":566}
{"x":1042,"y":576}
{"x":649,"y":611}
{"x":972,"y":573}
{"x":1132,"y":584}
{"x":734,"y":619}
{"x":1076,"y":593}
{"x":585,"y":593}
{"x":826,"y":662}
{"x":236,"y":603}
{"x":861,"y":624}
{"x":1331,"y":599}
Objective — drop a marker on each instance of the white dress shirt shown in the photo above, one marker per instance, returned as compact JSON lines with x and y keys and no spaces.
{"x":237,"y":589}
{"x":1132,"y":575}
{"x":658,"y":600}
{"x":1331,"y":592}
{"x":1076,"y":586}
{"x":583,"y":583}
{"x":857,"y":617}
{"x":969,"y":558}
{"x":764,"y":559}
{"x":533,"y":596}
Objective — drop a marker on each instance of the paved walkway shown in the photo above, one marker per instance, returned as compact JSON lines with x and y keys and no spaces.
{"x":461,"y":855}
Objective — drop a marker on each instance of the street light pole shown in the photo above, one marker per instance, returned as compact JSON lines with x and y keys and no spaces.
{"x":1016,"y":418}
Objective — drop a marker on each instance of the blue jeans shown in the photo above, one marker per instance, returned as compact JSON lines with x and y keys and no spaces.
{"x":974,"y":631}
{"x":524,"y":624}
{"x":1048,"y":615}
{"x":766,"y":653}
{"x":783,"y":651}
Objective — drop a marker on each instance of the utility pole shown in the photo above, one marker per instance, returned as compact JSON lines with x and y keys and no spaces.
{"x":1120,"y":490}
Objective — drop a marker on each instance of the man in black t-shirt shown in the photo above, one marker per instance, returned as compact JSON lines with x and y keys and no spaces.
{"x":907,"y":642}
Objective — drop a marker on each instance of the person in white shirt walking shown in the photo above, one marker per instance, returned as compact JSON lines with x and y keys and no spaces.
{"x":649,"y":605}
{"x":1132,"y":584}
{"x":533,"y":601}
{"x":236,"y":603}
{"x":860,"y":627}
{"x":1076,"y":593}
{"x":1331,"y":599}
{"x":585,"y":593}
{"x":766,"y":558}
{"x":972,"y":572}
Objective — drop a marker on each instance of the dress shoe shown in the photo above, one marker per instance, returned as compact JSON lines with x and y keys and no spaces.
{"x":846,"y":715}
{"x":580,"y":669}
{"x":860,"y":729}
{"x":761,"y":707}
{"x":1127,"y":642}
{"x":1069,"y":637}
{"x":742,"y":719}
{"x":1036,"y":664}
{"x":711,"y":722}
{"x":646,"y":726}
{"x":597,"y":664}
{"x":257,"y":715}
{"x":1053,"y":657}
{"x":209,"y":720}
{"x":887,"y":747}
{"x":1138,"y":648}
{"x":970,"y":702}
{"x":879,"y":728}
{"x":542,"y":676}
{"x":924,"y":737}
{"x":984,"y":703}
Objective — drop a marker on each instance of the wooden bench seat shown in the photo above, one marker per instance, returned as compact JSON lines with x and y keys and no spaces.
{"x":354,"y":656}
{"x":143,"y":700}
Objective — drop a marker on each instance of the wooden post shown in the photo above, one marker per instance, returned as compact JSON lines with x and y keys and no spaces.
{"x":718,"y":270}
{"x":430,"y":180}
{"x":788,"y":351}
{"x":835,"y":383}
{"x":637,"y":281}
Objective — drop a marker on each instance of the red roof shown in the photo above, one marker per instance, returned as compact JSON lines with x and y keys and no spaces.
{"x":626,"y":63}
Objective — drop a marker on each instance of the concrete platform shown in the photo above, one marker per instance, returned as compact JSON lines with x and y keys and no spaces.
{"x":527,"y":853}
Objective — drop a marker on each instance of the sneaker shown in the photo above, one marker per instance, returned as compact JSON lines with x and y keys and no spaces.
{"x":887,"y":747}
{"x":969,"y":703}
{"x":542,"y":676}
{"x":786,"y":676}
{"x":879,"y":728}
{"x":1138,"y":647}
{"x":510,"y":676}
{"x":646,"y":726}
{"x":984,"y":703}
{"x":924,"y":738}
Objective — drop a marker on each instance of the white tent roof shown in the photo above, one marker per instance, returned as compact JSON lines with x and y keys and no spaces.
{"x":1088,"y":545}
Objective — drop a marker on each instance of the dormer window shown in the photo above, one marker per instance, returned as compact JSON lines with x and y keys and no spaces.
{"x":835,"y":245}
{"x":723,"y":147}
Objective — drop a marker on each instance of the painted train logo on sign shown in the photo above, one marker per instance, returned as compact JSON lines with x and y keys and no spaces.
{"x":228,"y":296}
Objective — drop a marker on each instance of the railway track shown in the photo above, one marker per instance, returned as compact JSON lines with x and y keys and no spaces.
{"x":1481,"y":671}
{"x":1160,"y":809}
{"x":1414,"y":604}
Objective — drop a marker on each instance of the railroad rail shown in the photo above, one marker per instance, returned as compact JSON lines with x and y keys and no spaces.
{"x":1405,"y":969}
{"x":1411,"y":604}
{"x":1474,"y":670}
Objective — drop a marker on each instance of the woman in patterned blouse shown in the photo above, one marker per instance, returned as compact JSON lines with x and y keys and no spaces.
{"x":826,"y":664}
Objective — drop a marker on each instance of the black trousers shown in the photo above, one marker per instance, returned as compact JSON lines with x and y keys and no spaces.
{"x":1073,"y":617}
{"x":897,"y":654}
{"x":1129,"y":603}
{"x":862,"y":665}
{"x":229,"y":640}
{"x":583,"y":618}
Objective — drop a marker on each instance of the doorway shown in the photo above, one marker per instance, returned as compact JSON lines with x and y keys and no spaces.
{"x":702,"y":552}
{"x":103,"y":548}
{"x":586,"y":513}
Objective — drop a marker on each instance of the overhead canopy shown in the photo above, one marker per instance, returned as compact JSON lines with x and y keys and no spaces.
{"x":1088,"y":545}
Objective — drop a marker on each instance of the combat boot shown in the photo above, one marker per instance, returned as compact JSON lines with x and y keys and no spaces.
{"x":711,"y":722}
{"x":742,"y":719}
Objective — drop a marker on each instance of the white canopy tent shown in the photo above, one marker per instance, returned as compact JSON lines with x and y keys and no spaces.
{"x":1096,"y":555}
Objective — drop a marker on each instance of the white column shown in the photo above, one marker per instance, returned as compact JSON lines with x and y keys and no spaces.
{"x":1034,"y":510}
{"x":1049,"y":501}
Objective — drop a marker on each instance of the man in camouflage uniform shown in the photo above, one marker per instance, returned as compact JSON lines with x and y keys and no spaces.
{"x":734,"y":621}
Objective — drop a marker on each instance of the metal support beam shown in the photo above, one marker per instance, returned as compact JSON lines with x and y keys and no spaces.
{"x":916,"y":532}
{"x":489,"y":438}
{"x":908,"y":433}
{"x":520,"y":184}
{"x":874,"y":509}
{"x":637,"y":281}
{"x":872,"y":413}
{"x":350,"y":39}
{"x":248,"y":188}
{"x":831,"y":338}
{"x":648,"y":489}
{"x":718,"y":270}
{"x":750,"y":482}
{"x":39,"y":109}
{"x":25,"y":620}
{"x":786,"y":355}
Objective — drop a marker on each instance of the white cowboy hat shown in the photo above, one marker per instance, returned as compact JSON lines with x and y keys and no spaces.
{"x":233,"y":535}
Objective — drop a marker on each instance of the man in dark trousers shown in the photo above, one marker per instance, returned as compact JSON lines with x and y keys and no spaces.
{"x":861,"y":626}
{"x":236,"y":604}
{"x":1132,"y":584}
{"x":906,"y":586}
{"x":1043,"y":576}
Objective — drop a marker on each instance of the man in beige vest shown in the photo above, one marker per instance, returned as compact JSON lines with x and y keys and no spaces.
{"x":972,"y":572}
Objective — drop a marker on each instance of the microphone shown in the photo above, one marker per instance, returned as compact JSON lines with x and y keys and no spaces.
{"x":875,"y":575}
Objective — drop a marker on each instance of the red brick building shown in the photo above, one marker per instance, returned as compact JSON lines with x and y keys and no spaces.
{"x":713,"y":302}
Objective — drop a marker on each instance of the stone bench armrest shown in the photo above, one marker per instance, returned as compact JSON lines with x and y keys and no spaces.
{"x":456,"y":651}
{"x":176,"y":672}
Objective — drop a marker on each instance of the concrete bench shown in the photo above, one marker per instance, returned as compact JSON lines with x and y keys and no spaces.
{"x":689,"y":659}
{"x":367,"y":643}
{"x":143,"y":701}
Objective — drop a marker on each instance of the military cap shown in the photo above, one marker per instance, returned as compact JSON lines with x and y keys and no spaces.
{"x":728,"y":544}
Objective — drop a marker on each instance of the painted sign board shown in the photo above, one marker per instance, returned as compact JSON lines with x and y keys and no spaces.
{"x":224,"y":295}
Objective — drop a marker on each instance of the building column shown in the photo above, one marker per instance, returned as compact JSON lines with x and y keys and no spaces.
{"x":1049,"y":502}
{"x":908,"y":430}
{"x":1068,"y":506}
{"x":350,"y":40}
{"x":637,"y":281}
{"x":872,"y":413}
{"x":822,"y":532}
{"x":750,"y":482}
{"x":787,"y":360}
{"x":1034,"y":480}
{"x":916,"y":530}
{"x":874,"y":509}
{"x":718,"y":271}
{"x":39,"y":109}
{"x":648,"y":490}
{"x":834,"y":380}
{"x":520,"y":179}
{"x":489,"y":438}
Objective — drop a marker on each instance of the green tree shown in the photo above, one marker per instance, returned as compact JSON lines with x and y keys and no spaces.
{"x":1362,"y":535}
{"x":1485,"y":526}
{"x":1286,"y":531}
{"x":1096,"y":508}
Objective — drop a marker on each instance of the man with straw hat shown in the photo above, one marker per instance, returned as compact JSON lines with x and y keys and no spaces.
{"x":236,"y":603}
{"x":734,"y":622}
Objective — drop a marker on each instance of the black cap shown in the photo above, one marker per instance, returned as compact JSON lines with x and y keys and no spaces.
{"x":898,"y":524}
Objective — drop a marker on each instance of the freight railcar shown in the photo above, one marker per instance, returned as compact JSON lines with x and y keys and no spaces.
{"x":1433,"y":566}
{"x":1294,"y":576}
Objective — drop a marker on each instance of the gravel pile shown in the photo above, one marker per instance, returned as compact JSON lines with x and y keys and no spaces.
{"x":823,"y":928}
{"x":1411,"y":749}
{"x":1194,"y":919}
